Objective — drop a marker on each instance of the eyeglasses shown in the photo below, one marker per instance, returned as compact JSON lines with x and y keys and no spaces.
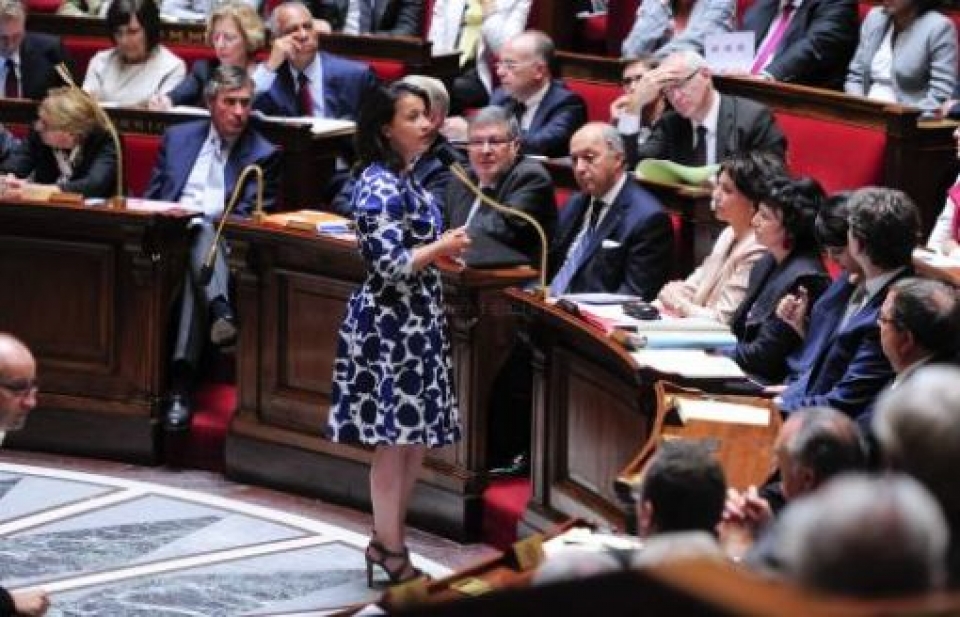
{"x":681,"y":85}
{"x":510,"y":65}
{"x":20,"y":387}
{"x":490,"y":142}
{"x":629,"y":80}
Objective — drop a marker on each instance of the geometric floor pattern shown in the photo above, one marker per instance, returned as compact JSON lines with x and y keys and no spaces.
{"x":104,"y":546}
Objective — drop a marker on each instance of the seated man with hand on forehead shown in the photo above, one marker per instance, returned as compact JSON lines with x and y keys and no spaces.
{"x":199,"y":164}
{"x":704,"y":126}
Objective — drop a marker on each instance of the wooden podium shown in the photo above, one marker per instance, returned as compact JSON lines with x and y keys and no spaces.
{"x":90,"y":291}
{"x":292,"y":291}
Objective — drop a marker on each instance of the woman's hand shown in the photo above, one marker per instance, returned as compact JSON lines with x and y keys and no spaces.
{"x":453,"y":242}
{"x":793,"y":310}
{"x":672,"y":297}
{"x":159,"y":102}
{"x":11,"y":186}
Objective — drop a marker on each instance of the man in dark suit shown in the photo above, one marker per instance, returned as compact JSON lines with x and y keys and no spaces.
{"x":493,"y":148}
{"x":704,"y":126}
{"x":614,"y":236}
{"x":548,"y":113}
{"x":807,"y":42}
{"x":27,"y":59}
{"x":200,"y":163}
{"x":845,"y":367}
{"x":18,"y":397}
{"x":392,"y":17}
{"x":297,"y":80}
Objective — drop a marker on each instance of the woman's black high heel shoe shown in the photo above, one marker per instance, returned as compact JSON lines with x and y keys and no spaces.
{"x":377,"y":554}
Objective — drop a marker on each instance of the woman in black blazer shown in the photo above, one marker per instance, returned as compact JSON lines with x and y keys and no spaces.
{"x":68,"y":146}
{"x":236,"y":33}
{"x":784,"y":224}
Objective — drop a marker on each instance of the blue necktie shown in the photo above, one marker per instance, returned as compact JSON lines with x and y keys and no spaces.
{"x":576,"y":253}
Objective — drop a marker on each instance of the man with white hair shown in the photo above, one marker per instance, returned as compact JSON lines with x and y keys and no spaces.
{"x":18,"y":397}
{"x":917,"y":425}
{"x":867,"y":537}
{"x":704,"y":126}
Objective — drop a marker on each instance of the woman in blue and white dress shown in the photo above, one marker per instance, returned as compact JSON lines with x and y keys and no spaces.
{"x":393,"y":385}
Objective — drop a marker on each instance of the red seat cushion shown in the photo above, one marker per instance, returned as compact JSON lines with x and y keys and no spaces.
{"x":139,"y":156}
{"x":386,"y":70}
{"x":43,"y":6}
{"x":597,"y":95}
{"x":840,"y":156}
{"x":592,"y":35}
{"x":620,"y":17}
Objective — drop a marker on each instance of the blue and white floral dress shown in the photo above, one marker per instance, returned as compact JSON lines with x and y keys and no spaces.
{"x":393,"y":376}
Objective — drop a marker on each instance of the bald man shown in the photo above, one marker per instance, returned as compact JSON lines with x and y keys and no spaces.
{"x":18,"y":397}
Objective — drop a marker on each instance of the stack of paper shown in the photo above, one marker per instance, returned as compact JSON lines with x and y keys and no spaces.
{"x":706,"y":410}
{"x":690,"y":363}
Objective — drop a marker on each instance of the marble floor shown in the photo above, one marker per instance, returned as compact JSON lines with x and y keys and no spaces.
{"x":114,"y":539}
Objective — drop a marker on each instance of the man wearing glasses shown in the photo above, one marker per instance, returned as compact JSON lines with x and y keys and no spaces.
{"x":493,"y":147}
{"x":704,"y":127}
{"x":18,"y":397}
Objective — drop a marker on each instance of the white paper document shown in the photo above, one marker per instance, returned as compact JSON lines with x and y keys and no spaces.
{"x":691,"y":363}
{"x":718,"y":411}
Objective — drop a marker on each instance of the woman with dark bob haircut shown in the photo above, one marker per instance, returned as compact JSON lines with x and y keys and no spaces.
{"x":137,"y":67}
{"x":784,"y":224}
{"x":393,"y":385}
{"x":717,"y":287}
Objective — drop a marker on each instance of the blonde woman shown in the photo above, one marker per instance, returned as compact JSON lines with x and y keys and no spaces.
{"x":236,"y":33}
{"x":67,"y":147}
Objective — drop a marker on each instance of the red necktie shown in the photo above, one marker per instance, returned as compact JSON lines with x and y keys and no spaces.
{"x":774,"y":41}
{"x":11,"y":87}
{"x":304,"y":96}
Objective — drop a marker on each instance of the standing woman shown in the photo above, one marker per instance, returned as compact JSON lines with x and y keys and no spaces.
{"x":138,"y":66}
{"x":907,"y":54}
{"x":236,"y":33}
{"x":393,"y":385}
{"x":68,"y":146}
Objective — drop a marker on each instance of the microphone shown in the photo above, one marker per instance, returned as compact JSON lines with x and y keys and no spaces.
{"x":448,"y":159}
{"x":64,"y":73}
{"x":206,"y":270}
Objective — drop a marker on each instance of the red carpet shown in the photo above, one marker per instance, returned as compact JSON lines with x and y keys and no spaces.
{"x":503,"y":504}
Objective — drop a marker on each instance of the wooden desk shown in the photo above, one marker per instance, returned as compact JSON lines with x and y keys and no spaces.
{"x":292,"y":290}
{"x":90,"y":291}
{"x":593,"y":411}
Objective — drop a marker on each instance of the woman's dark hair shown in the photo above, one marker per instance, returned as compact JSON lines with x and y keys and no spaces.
{"x":798,"y":201}
{"x":371,"y":144}
{"x":830,"y":228}
{"x":147,"y":14}
{"x":753,"y":171}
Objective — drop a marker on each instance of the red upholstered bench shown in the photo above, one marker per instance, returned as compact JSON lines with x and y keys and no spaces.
{"x":598,"y":96}
{"x":386,"y":70}
{"x":43,"y":6}
{"x":840,"y":156}
{"x":139,"y":156}
{"x":592,"y":34}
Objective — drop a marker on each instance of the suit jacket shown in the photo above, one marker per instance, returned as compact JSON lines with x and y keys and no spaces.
{"x":845,"y":367}
{"x":653,"y":28}
{"x":39,"y":56}
{"x":345,"y":85}
{"x":190,"y":90}
{"x":559,"y":115}
{"x":396,"y":17}
{"x":818,"y":44}
{"x":631,"y":251}
{"x":924,"y":71}
{"x":742,"y":125}
{"x":178,"y":154}
{"x":763,"y":340}
{"x":526,"y":186}
{"x":94,"y":173}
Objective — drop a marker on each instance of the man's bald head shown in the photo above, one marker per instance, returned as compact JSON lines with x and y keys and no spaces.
{"x":18,"y":378}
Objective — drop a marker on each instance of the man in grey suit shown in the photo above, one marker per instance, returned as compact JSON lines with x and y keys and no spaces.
{"x":704,"y":127}
{"x":392,"y":17}
{"x":493,"y":146}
